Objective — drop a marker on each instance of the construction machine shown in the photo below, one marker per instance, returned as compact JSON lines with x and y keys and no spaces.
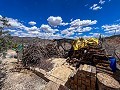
{"x":81,"y":45}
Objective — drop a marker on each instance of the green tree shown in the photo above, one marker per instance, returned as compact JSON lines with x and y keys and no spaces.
{"x":5,"y":37}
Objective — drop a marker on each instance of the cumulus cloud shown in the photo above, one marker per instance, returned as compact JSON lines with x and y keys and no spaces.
{"x":76,"y":28}
{"x":78,"y":22}
{"x":67,"y":33}
{"x":111,"y":29}
{"x":34,"y":32}
{"x":32,"y":23}
{"x":95,"y":7}
{"x":47,"y":29}
{"x":55,"y":21}
{"x":85,"y":29}
{"x":15,"y":23}
{"x":34,"y":28}
{"x":64,"y":24}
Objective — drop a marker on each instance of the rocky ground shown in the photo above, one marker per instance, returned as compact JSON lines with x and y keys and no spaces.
{"x":10,"y":79}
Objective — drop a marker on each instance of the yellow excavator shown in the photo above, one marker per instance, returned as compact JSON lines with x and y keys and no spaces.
{"x":83,"y":43}
{"x":80,"y":45}
{"x":77,"y":45}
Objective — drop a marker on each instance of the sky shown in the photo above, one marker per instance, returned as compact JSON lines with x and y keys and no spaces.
{"x":61,"y":18}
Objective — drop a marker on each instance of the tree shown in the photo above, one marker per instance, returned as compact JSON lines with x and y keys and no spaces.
{"x":5,"y":37}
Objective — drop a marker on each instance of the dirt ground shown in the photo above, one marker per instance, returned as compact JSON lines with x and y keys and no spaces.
{"x":27,"y":80}
{"x":23,"y":80}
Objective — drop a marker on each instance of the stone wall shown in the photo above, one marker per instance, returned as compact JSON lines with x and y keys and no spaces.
{"x":84,"y":79}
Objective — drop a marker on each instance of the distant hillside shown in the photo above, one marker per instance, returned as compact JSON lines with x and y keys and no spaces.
{"x":17,"y":39}
{"x":114,"y":36}
{"x":114,"y":41}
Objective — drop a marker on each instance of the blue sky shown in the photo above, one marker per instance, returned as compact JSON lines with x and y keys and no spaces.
{"x":61,"y":18}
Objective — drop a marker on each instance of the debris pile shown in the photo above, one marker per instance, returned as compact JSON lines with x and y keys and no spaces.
{"x":52,"y":51}
{"x":36,"y":55}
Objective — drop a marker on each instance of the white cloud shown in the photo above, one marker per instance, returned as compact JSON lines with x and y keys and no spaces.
{"x":64,"y":24}
{"x":101,"y":2}
{"x":0,"y":16}
{"x":47,"y":29}
{"x":76,"y":28}
{"x":78,"y":22}
{"x":111,"y":29}
{"x":16,"y":34}
{"x":32,"y":23}
{"x":55,"y":21}
{"x":86,"y":36}
{"x":11,"y":30}
{"x":96,"y":35}
{"x":67,"y":33}
{"x":34,"y":32}
{"x":25,"y":35}
{"x":34,"y":28}
{"x":15,"y":23}
{"x":85,"y":29}
{"x":95,"y":7}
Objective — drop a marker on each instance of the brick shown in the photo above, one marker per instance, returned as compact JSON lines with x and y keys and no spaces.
{"x":72,"y":86}
{"x":72,"y":81}
{"x":80,"y":78}
{"x":79,"y":88}
{"x":83,"y":82}
{"x":83,"y":87}
{"x":88,"y":88}
{"x":88,"y":77}
{"x":83,"y":75}
{"x":93,"y":85}
{"x":94,"y":89}
{"x":83,"y":79}
{"x":87,"y":82}
{"x":93,"y":79}
{"x":79,"y":73}
{"x":75,"y":80}
{"x":75,"y":87}
{"x":79,"y":82}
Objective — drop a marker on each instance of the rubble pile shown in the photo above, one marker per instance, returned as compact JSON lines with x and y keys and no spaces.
{"x":36,"y":55}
